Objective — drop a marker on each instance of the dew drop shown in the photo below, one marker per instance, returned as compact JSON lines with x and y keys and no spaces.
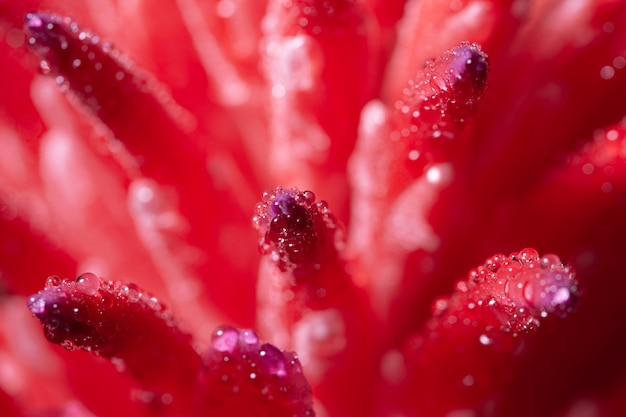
{"x":561,"y":296}
{"x":88,"y":283}
{"x":323,"y":207}
{"x":131,"y":291}
{"x":273,"y":359}
{"x":225,"y":339}
{"x":53,"y":281}
{"x":309,"y":196}
{"x":440,"y":306}
{"x":44,"y":66}
{"x":468,"y":380}
{"x":612,"y":135}
{"x":527,"y":255}
{"x":37,"y":304}
{"x":549,"y":262}
{"x":268,"y":196}
{"x":248,"y":337}
{"x":393,"y":367}
{"x":607,"y":72}
{"x":485,"y":340}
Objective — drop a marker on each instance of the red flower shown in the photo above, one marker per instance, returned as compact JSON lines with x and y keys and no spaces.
{"x":433,"y":135}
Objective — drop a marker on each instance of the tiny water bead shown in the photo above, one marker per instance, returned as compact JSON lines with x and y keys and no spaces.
{"x":88,"y":283}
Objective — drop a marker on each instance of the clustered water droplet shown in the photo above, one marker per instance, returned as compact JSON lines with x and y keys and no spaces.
{"x":77,"y":314}
{"x":517,"y":293}
{"x":239,"y":367}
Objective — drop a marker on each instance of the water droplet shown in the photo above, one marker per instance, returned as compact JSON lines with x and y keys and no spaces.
{"x":440,"y":306}
{"x":132,"y":291}
{"x":550,"y":261}
{"x":273,"y":359}
{"x":44,"y":66}
{"x":68,"y":345}
{"x":527,"y":255}
{"x":468,"y":380}
{"x":309,"y":196}
{"x":322,"y":206}
{"x":37,"y":304}
{"x":485,"y":340}
{"x":152,"y":302}
{"x":393,"y":367}
{"x":268,"y":196}
{"x":225,"y":339}
{"x":612,"y":135}
{"x":248,"y":337}
{"x":53,"y":281}
{"x":607,"y":72}
{"x":88,"y":283}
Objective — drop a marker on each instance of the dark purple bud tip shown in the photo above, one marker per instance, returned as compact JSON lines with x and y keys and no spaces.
{"x":91,"y":314}
{"x":47,"y":33}
{"x":65,"y":313}
{"x":287,"y":220}
{"x":468,"y":64}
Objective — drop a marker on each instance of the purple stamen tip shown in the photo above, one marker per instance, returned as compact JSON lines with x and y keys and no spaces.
{"x":470,"y":63}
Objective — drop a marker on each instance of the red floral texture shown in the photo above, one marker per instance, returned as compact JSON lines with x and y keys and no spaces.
{"x":433,"y":135}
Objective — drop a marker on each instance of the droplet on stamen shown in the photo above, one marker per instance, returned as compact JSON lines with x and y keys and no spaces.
{"x":88,"y":283}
